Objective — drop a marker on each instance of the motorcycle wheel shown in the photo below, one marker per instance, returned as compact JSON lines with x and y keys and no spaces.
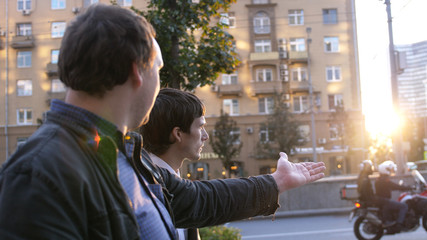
{"x":365,"y":230}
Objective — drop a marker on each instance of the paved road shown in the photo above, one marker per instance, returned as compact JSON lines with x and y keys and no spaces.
{"x":327,"y":227}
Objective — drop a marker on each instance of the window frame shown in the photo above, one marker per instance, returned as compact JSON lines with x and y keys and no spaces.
{"x":57,"y":86}
{"x":296,"y":17}
{"x":264,"y":72}
{"x":24,"y":88}
{"x":330,"y":18}
{"x":334,"y":70}
{"x":24,"y":29}
{"x":229,"y":79}
{"x":331,"y":44}
{"x":265,"y":105}
{"x":299,"y":72}
{"x":233,"y":106}
{"x":337,"y":100}
{"x":301,"y":102}
{"x":53,"y":56}
{"x":25,"y":57}
{"x":262,"y":45}
{"x":57,"y":29}
{"x":297,"y":44}
{"x":262,"y":23}
{"x":26,"y":5}
{"x":26,"y":120}
{"x":59,"y":4}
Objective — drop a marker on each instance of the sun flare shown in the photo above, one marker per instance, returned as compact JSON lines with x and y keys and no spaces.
{"x":382,"y":122}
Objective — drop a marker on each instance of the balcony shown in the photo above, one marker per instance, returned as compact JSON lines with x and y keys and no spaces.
{"x":262,"y":56}
{"x":295,"y":56}
{"x":297,"y":86}
{"x":52,"y":69}
{"x":230,"y":89}
{"x":22,"y":41}
{"x":266,"y":87}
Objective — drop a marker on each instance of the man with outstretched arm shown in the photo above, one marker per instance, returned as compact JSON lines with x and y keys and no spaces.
{"x":74,"y":178}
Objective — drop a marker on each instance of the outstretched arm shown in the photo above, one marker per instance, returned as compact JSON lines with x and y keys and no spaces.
{"x":291,"y":175}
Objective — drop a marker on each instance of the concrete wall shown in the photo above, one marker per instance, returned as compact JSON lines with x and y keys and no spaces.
{"x":325,"y":193}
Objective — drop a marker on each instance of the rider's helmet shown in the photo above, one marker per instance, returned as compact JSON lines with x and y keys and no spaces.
{"x":387,"y":167}
{"x":367,"y":166}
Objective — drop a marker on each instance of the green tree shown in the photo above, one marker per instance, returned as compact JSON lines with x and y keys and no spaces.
{"x":281,"y":131}
{"x":224,"y":142}
{"x":195,"y":50}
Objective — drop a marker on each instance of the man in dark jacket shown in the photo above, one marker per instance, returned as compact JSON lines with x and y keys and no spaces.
{"x":384,"y":186}
{"x":75,"y":179}
{"x":364,"y":185}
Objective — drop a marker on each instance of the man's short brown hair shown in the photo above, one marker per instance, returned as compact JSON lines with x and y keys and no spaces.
{"x":100,"y":46}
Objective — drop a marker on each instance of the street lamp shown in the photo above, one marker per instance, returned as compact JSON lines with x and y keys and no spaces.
{"x":310,"y":92}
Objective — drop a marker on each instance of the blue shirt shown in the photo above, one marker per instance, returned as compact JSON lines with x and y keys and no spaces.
{"x":146,"y":200}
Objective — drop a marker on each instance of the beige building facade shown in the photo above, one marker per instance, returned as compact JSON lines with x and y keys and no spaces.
{"x":271,"y":40}
{"x":281,"y":44}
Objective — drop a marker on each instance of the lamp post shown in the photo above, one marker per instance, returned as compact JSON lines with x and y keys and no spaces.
{"x":397,"y":136}
{"x":310,"y":92}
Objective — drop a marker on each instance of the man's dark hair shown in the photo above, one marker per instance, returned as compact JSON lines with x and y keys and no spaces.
{"x":172,"y":108}
{"x":100,"y":46}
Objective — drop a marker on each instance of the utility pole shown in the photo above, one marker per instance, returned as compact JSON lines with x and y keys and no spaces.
{"x":397,"y":136}
{"x":310,"y":92}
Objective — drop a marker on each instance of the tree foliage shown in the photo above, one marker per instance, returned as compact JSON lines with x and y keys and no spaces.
{"x":194,"y":48}
{"x":224,"y":143}
{"x":284,"y":134}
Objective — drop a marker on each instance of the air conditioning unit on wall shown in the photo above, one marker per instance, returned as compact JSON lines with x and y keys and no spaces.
{"x":250,"y":130}
{"x":26,"y":12}
{"x":322,"y":140}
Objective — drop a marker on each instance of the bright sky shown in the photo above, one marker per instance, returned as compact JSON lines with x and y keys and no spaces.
{"x":408,"y":16}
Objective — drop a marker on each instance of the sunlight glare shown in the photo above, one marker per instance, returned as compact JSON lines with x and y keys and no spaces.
{"x":382,"y":122}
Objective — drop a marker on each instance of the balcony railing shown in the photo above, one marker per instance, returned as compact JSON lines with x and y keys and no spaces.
{"x":298,"y":56}
{"x":230,"y":89}
{"x":261,"y":56}
{"x":266,"y":87}
{"x":22,"y":41}
{"x":297,"y":86}
{"x":52,"y":69}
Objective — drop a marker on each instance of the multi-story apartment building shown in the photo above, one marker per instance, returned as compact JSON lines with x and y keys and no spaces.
{"x":281,"y":44}
{"x":272,"y":40}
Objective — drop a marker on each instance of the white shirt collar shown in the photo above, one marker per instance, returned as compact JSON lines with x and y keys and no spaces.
{"x":161,"y":163}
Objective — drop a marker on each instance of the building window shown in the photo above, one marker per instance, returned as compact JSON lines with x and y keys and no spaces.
{"x":57,"y":86}
{"x":228,"y":19}
{"x":262,"y":46}
{"x":24,"y":59}
{"x":54,"y":56}
{"x":24,"y":87}
{"x":127,"y":3}
{"x":265,"y":134}
{"x":261,"y":23}
{"x":231,"y":106}
{"x":296,"y":17}
{"x":330,"y":16}
{"x":333,"y":74}
{"x":228,"y":79}
{"x":94,"y":1}
{"x":23,"y":29}
{"x":331,"y":44}
{"x":300,"y":103}
{"x":24,"y":116}
{"x":266,"y":105}
{"x":334,"y":100}
{"x":299,"y":74}
{"x":333,"y":131}
{"x":58,"y":4}
{"x":24,"y":5}
{"x":236,"y":131}
{"x":297,"y":44}
{"x":259,"y":1}
{"x":58,"y":29}
{"x":264,"y":75}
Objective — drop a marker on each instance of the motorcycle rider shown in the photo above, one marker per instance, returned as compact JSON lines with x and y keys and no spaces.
{"x":384,"y":186}
{"x":364,"y":186}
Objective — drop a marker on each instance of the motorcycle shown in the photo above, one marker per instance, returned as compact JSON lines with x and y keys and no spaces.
{"x":369,"y":224}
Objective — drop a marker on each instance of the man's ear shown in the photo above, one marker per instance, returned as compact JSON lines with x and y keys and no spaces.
{"x":176,"y":135}
{"x":136,"y":75}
